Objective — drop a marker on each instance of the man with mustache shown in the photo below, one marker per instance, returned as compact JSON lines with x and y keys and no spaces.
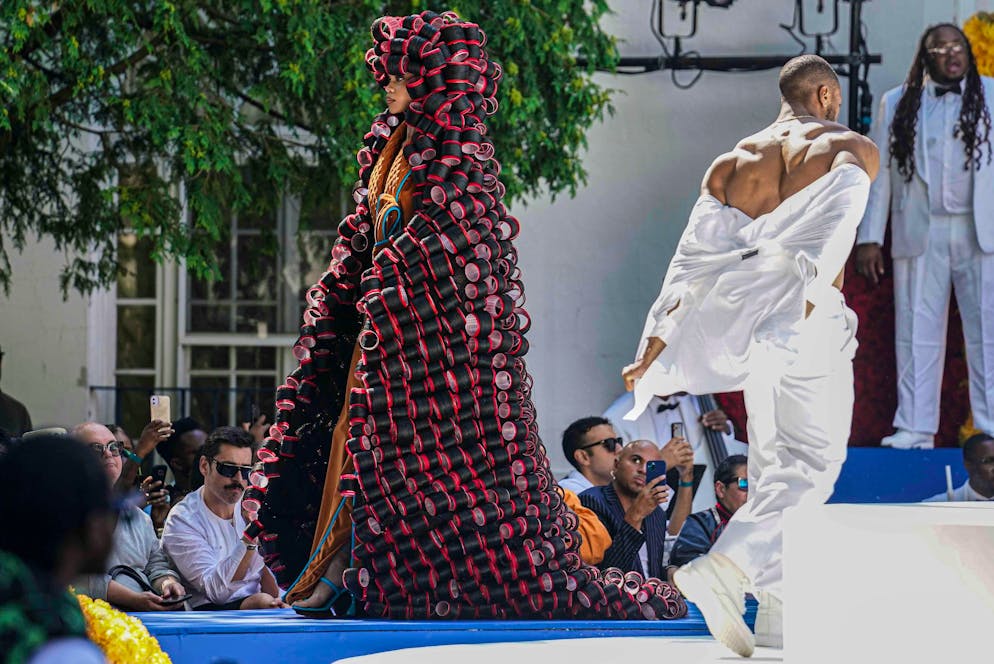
{"x":203,"y":533}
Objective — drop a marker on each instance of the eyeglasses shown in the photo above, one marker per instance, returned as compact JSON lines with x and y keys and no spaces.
{"x":951,"y":49}
{"x":742,"y":483}
{"x":226,"y":469}
{"x":113,"y":447}
{"x":610,"y":444}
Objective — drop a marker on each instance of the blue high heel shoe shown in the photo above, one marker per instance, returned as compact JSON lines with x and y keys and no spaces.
{"x":338,"y":605}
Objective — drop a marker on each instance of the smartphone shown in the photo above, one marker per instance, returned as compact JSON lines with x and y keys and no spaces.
{"x":160,"y":407}
{"x":676,"y":430}
{"x":158,"y":473}
{"x":654,"y":469}
{"x":176,"y":600}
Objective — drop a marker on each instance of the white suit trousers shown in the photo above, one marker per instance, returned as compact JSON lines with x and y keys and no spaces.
{"x":922,"y":287}
{"x":798,"y":431}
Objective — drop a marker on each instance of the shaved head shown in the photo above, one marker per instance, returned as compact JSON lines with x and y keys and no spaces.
{"x":802,"y":76}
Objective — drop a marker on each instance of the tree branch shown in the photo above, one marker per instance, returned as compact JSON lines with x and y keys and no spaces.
{"x":66,"y":93}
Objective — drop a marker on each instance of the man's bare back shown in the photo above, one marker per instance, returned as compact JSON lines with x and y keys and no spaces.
{"x":768,"y":167}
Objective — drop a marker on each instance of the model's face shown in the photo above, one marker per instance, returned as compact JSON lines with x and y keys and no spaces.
{"x":947,"y":56}
{"x":398,"y":98}
{"x":629,"y":467}
{"x":226,"y":489}
{"x":980,"y":468}
{"x":597,"y":460}
{"x":730,"y":495}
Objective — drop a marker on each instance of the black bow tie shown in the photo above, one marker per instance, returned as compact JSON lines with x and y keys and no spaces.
{"x":941,"y":90}
{"x":666,"y":406}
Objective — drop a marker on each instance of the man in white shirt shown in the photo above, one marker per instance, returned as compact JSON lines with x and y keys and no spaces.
{"x":655,"y":424}
{"x":978,"y":459}
{"x":937,"y":188}
{"x":203,"y":533}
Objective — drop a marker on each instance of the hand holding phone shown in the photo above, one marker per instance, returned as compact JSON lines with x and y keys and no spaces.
{"x":676,"y":430}
{"x":158,"y":473}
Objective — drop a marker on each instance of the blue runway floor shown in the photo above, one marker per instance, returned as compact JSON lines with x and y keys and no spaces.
{"x":283,"y":636}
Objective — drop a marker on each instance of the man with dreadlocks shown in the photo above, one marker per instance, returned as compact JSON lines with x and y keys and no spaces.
{"x":938,"y":187}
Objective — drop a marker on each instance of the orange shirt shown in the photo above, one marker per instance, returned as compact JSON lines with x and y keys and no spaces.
{"x":596,"y":539}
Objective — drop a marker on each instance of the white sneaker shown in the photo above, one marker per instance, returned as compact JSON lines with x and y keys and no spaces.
{"x":717,"y":587}
{"x":909,"y":440}
{"x":769,"y":621}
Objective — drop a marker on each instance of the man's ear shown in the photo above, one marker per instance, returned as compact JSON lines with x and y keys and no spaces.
{"x":204,"y":465}
{"x":581,"y":457}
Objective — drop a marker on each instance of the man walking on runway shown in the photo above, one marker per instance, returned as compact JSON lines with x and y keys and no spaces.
{"x":756,"y":280}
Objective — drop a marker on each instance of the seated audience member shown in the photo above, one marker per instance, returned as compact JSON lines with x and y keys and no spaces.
{"x":701,"y":529}
{"x":138,"y":576}
{"x":181,"y":452}
{"x":628,"y":508}
{"x":654,"y":424}
{"x":593,"y":535}
{"x":204,"y":533}
{"x":590,"y":445}
{"x":978,"y":459}
{"x":55,"y":507}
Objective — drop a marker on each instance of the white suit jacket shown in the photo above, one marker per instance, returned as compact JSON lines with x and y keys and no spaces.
{"x":910,"y":216}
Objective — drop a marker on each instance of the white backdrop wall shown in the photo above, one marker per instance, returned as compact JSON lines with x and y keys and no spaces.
{"x":592,"y":264}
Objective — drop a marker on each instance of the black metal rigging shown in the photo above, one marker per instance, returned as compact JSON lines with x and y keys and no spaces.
{"x":854,"y":65}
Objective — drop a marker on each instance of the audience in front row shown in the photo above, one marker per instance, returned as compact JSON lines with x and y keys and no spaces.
{"x":978,"y":459}
{"x":701,"y":430}
{"x":629,"y":509}
{"x":138,"y":576}
{"x":701,"y":529}
{"x":55,"y":507}
{"x":204,"y":532}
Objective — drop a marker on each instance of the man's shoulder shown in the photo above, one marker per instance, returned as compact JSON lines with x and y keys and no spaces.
{"x":185,"y":511}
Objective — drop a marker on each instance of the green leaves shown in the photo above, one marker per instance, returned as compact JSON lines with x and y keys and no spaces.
{"x":110,"y":110}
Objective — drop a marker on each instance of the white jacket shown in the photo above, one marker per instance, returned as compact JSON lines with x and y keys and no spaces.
{"x":890,"y":193}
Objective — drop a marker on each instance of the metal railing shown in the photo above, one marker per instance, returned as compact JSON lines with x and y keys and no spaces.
{"x":210,"y":406}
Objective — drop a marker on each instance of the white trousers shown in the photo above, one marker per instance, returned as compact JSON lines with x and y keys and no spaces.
{"x":798,"y":431}
{"x":922,"y":287}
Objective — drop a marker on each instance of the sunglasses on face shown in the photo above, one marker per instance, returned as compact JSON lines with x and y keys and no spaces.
{"x":610,"y":444}
{"x":949,"y":49}
{"x":741,"y":482}
{"x":229,"y":470}
{"x":114,"y":448}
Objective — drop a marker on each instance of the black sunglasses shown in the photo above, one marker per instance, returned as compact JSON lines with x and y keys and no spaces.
{"x":226,"y":469}
{"x":610,"y":444}
{"x":114,"y":448}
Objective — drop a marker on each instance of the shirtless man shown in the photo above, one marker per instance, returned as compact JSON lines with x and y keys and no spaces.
{"x":799,"y":418}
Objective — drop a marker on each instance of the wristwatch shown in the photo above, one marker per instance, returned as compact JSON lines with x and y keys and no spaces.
{"x":250,"y":546}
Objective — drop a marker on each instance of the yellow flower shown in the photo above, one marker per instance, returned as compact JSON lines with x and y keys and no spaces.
{"x":122,"y":638}
{"x":979,"y":29}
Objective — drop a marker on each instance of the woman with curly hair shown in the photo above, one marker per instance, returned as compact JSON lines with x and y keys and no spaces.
{"x":434,"y":497}
{"x":938,"y":189}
